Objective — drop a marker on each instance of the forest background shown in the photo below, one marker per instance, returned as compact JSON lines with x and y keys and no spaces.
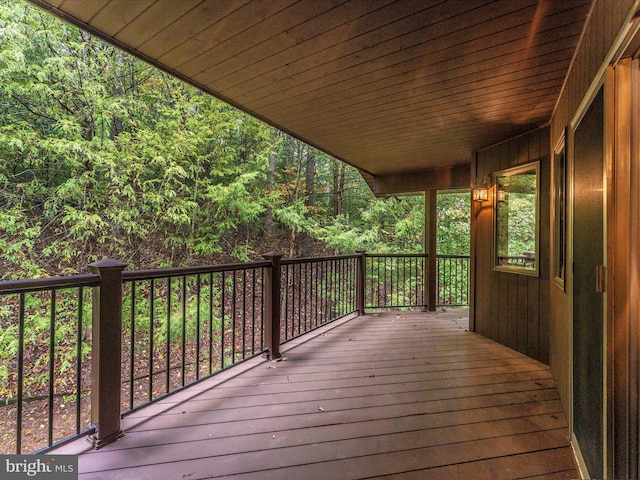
{"x":102,"y":155}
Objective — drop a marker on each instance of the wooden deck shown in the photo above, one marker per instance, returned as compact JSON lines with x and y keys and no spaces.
{"x":408,"y":395}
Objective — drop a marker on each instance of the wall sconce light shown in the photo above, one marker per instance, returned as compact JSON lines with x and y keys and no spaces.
{"x":502,"y":196}
{"x":481,"y":190}
{"x":480,"y":194}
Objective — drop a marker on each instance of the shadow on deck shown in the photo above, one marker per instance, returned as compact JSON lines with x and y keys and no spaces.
{"x":408,"y":395}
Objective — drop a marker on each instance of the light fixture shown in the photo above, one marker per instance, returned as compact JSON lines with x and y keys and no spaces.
{"x":480,"y":194}
{"x":502,"y":195}
{"x":481,"y":190}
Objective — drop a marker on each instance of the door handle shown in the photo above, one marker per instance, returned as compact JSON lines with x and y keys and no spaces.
{"x":601,"y":278}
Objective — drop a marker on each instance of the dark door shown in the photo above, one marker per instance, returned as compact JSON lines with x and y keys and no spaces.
{"x":588,"y":316}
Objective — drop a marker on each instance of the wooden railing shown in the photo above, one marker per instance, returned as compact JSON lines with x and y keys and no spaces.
{"x":172,"y":327}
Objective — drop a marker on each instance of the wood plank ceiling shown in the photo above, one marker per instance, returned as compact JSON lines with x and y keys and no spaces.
{"x":387,"y":86}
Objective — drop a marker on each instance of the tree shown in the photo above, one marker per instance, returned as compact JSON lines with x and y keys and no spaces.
{"x":453,"y":223}
{"x":104,"y":155}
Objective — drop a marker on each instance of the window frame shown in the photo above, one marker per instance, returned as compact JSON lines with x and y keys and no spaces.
{"x":497,"y":265}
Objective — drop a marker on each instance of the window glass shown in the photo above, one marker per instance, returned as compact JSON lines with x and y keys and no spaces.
{"x":516,"y":219}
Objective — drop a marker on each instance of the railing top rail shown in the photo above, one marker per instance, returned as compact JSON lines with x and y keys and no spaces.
{"x":132,"y":275}
{"x":289,"y":261}
{"x":396,"y":255}
{"x":49,"y":283}
{"x":86,"y":280}
{"x":452,"y":256}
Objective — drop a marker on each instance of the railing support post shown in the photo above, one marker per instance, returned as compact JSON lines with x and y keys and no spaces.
{"x":106,"y":338}
{"x":361,"y":275}
{"x":272,"y":305}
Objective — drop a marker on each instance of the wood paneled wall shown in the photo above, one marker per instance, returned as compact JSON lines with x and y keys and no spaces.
{"x":623,"y":257}
{"x":603,"y":42}
{"x":597,"y":43}
{"x":596,"y":49}
{"x":510,"y":308}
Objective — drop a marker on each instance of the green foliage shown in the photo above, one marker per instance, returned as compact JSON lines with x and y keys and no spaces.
{"x":391,"y":225}
{"x":104,"y":155}
{"x":521,"y":224}
{"x":453,"y":223}
{"x":516,"y":215}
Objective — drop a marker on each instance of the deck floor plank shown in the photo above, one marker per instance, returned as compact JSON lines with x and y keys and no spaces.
{"x":409,"y":395}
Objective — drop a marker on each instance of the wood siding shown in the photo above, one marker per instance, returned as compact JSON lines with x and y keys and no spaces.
{"x":604,"y":25}
{"x":603,"y":42}
{"x":623,"y":256}
{"x":606,"y":21}
{"x":510,"y":308}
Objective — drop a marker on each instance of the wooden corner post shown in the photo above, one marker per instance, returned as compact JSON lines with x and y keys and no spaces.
{"x":106,"y":337}
{"x":272,"y":285}
{"x":361,"y":275}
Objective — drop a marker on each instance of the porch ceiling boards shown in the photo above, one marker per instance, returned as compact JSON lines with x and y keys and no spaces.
{"x":387,"y":86}
{"x":409,"y":395}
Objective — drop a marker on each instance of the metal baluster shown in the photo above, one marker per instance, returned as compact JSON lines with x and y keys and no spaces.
{"x":151,"y":317}
{"x":79,"y":359}
{"x":198,"y":298}
{"x":253,"y":311}
{"x":184,"y":329}
{"x":222,"y":318}
{"x":210,"y":323}
{"x":234,"y":317}
{"x":261,"y":309}
{"x":132,"y":344}
{"x":20,"y":377}
{"x":52,"y":346}
{"x":286,"y":301}
{"x":244,"y":313}
{"x":167,"y":375}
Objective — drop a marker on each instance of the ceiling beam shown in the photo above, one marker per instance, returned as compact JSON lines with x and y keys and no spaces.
{"x":445,"y":178}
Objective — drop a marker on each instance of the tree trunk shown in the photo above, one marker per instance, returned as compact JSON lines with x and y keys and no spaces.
{"x":299,"y":153}
{"x":271,"y":180}
{"x":338,"y":170}
{"x":310,"y":171}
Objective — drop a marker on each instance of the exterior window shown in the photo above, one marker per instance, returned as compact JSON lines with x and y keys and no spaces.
{"x":515,"y":243}
{"x":559,"y":212}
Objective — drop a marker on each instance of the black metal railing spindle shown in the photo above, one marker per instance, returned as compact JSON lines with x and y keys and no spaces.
{"x":198,"y":300}
{"x":183,"y":333}
{"x":210,"y":326}
{"x":151,"y":335}
{"x":132,"y":343}
{"x":244,"y":317}
{"x":234,"y":318}
{"x":167,"y":352}
{"x":253,"y":312}
{"x":222,"y":319}
{"x":52,"y":346}
{"x":20,"y":378}
{"x":79,"y":335}
{"x":260,"y":309}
